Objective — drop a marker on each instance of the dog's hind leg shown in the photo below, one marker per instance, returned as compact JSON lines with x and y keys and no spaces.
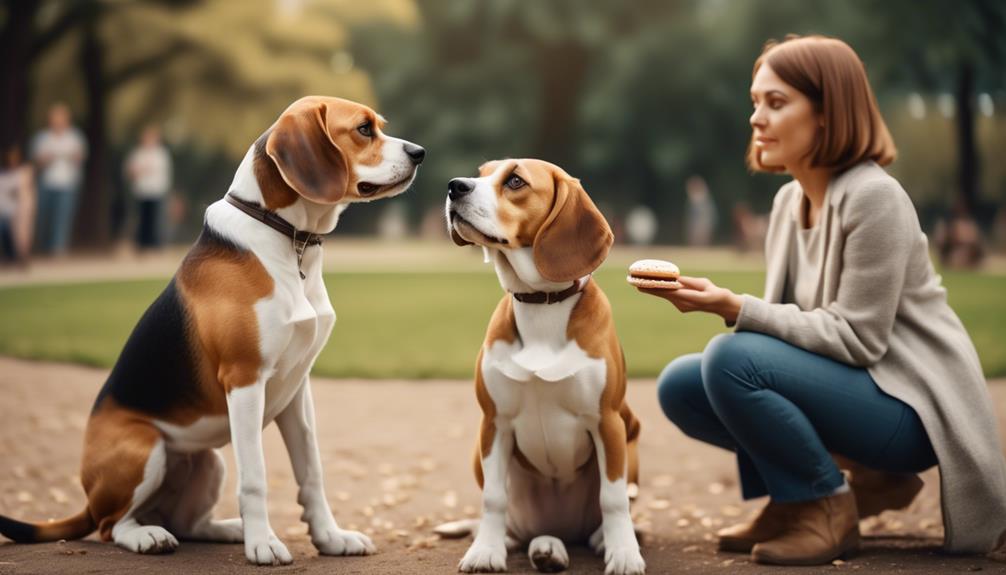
{"x":123,"y":468}
{"x":128,"y":532}
{"x":198,"y":478}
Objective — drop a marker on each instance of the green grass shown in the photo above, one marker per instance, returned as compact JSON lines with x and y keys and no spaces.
{"x":426,"y":325}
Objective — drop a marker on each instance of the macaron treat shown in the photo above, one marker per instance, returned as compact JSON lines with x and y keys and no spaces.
{"x":655,"y":274}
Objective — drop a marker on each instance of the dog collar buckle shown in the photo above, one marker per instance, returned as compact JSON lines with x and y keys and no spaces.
{"x":299,"y":248}
{"x":300,"y":239}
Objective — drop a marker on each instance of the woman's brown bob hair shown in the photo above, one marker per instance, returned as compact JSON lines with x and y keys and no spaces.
{"x":831,"y":75}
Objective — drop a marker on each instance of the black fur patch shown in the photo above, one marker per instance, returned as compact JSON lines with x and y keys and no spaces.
{"x":157,"y":369}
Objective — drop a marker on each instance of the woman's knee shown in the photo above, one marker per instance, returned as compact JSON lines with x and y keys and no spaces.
{"x":730,"y":360}
{"x":679,"y":387}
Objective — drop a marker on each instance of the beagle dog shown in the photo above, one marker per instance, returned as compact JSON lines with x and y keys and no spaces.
{"x":556,"y":451}
{"x":228,"y":347}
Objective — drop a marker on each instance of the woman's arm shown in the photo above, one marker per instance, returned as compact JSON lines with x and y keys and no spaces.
{"x":701,"y":294}
{"x":880,"y":227}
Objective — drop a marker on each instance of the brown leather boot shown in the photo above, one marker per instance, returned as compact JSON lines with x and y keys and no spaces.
{"x":878,"y":491}
{"x":818,"y":532}
{"x":742,"y":537}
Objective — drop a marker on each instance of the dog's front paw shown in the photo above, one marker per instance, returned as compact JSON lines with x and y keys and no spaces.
{"x":484,"y":558}
{"x":335,"y":541}
{"x":624,"y":560}
{"x":267,"y":551}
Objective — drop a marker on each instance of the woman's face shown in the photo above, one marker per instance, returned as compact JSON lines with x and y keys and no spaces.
{"x":784,"y":121}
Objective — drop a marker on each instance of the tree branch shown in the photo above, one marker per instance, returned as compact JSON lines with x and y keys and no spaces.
{"x":143,"y":65}
{"x":66,"y":22}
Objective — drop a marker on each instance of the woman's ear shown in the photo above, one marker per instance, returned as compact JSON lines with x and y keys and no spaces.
{"x":306,"y":157}
{"x":575,"y":237}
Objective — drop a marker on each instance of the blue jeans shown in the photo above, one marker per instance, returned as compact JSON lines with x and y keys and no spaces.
{"x":783,"y":410}
{"x":149,"y":228}
{"x":7,"y":249}
{"x":56,"y":210}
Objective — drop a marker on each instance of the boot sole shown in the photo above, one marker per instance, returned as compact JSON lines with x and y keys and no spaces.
{"x":736,"y":545}
{"x":848,"y":546}
{"x":903,"y":500}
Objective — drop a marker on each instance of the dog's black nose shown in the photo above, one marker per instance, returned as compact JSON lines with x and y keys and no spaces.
{"x":416,"y":153}
{"x":459,"y":187}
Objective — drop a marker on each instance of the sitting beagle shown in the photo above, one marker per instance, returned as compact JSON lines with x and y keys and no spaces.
{"x":556,"y":451}
{"x":228,"y":347}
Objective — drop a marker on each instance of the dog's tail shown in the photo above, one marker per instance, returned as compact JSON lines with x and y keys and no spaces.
{"x":80,"y":525}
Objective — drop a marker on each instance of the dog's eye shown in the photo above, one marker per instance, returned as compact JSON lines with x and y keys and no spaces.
{"x":366,"y":130}
{"x":514,"y":182}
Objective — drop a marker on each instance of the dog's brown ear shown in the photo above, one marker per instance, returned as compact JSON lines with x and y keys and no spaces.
{"x":305,"y":155}
{"x":575,"y":237}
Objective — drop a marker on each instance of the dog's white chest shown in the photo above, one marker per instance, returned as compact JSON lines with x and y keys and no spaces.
{"x":294,"y":326}
{"x":552,"y":400}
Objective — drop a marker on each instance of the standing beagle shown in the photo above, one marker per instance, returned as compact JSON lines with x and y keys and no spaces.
{"x":228,"y":347}
{"x":557,"y":447}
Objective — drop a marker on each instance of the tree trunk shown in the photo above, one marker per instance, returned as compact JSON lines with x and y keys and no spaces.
{"x":967,"y":151}
{"x":92,"y":224}
{"x":562,"y":71}
{"x":15,"y":48}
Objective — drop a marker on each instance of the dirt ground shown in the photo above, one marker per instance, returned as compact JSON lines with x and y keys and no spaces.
{"x":397,"y":462}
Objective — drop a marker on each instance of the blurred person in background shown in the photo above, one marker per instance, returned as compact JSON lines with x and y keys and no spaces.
{"x":641,"y":225}
{"x":17,"y":207}
{"x":59,"y":152}
{"x":999,"y":230}
{"x":958,"y":240}
{"x":853,"y":373}
{"x":700,"y":212}
{"x":148,"y":171}
{"x":749,"y":228}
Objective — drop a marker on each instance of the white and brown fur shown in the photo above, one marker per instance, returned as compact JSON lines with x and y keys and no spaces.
{"x":557,"y":445}
{"x":228,"y":347}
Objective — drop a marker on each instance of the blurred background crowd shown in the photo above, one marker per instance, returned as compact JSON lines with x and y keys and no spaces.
{"x":121,"y":120}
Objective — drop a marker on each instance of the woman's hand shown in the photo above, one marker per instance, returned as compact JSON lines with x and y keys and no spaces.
{"x":700,"y":294}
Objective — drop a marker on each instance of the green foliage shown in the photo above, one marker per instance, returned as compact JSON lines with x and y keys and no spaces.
{"x":213,"y":74}
{"x":660,"y":89}
{"x":235,"y":65}
{"x":631,"y":97}
{"x":425,"y":325}
{"x":932,"y":40}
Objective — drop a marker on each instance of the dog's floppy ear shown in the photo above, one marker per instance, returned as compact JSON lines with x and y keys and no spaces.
{"x":305,"y":155}
{"x":575,"y":237}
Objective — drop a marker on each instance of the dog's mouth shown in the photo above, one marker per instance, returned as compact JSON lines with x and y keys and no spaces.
{"x":464,"y":233}
{"x":368,"y":189}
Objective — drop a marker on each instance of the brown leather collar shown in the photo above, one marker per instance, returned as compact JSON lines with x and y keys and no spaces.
{"x":274,"y":221}
{"x":549,"y":297}
{"x":301,"y":240}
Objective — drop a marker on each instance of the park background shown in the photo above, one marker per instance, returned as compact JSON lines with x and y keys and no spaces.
{"x":634,"y":98}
